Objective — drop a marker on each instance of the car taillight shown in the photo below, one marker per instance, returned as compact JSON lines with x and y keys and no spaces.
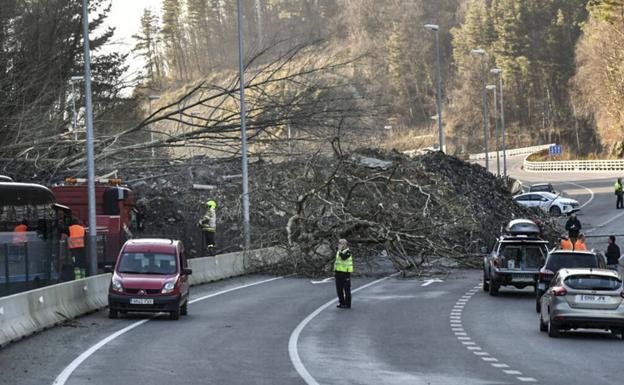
{"x":559,"y":291}
{"x":546,"y":274}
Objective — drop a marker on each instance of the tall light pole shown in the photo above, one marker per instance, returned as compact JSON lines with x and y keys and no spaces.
{"x":492,"y":87}
{"x":241,"y":74}
{"x":149,"y":100}
{"x":499,"y":73}
{"x":74,"y":118}
{"x":92,"y":234}
{"x":480,"y":52}
{"x":435,"y":28}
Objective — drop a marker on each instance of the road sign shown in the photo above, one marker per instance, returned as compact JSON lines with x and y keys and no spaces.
{"x":555,"y":150}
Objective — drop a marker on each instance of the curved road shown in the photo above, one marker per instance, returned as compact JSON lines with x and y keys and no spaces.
{"x":260,"y":330}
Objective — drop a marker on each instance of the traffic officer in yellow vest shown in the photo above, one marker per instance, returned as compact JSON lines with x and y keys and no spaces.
{"x":76,"y":245}
{"x":343,"y":267}
{"x":619,"y":193}
{"x":208,"y":224}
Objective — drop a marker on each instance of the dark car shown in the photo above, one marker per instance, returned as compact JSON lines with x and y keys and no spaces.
{"x":568,"y":259}
{"x":543,"y":187}
{"x":516,"y":257}
{"x":150,"y":276}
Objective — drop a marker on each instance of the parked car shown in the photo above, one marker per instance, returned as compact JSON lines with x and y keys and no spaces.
{"x":553,"y":204}
{"x":543,"y":187}
{"x":516,"y":258}
{"x":583,"y":298}
{"x":150,"y":276}
{"x":564,"y":259}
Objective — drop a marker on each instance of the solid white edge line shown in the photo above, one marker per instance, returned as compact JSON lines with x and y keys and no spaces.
{"x":69,"y":369}
{"x":293,"y":352}
{"x":591,"y":197}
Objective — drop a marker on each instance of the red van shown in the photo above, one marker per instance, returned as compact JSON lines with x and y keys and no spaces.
{"x":150,"y":276}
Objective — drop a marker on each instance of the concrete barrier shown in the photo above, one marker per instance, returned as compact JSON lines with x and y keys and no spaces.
{"x":574,"y":165}
{"x":512,"y":152}
{"x":25,"y":313}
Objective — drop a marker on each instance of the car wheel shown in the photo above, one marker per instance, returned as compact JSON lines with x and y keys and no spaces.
{"x":494,"y":289}
{"x":542,"y":326}
{"x":184,"y":309}
{"x":555,"y":211}
{"x":538,"y":305}
{"x":174,"y":315}
{"x":486,"y":284}
{"x":553,"y":330}
{"x":113,"y":314}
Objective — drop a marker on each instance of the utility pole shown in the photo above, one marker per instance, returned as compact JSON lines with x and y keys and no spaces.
{"x":241,"y":73}
{"x":92,"y":234}
{"x":498,"y":72}
{"x":436,"y":29}
{"x":492,"y":87}
{"x":480,"y":52}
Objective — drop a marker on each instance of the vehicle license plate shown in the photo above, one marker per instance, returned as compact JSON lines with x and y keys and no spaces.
{"x":141,"y":301}
{"x":521,"y":278}
{"x":593,"y":298}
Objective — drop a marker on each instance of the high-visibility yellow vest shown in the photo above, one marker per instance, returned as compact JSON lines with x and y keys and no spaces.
{"x":76,"y":237}
{"x":618,"y":187}
{"x":344,"y":265}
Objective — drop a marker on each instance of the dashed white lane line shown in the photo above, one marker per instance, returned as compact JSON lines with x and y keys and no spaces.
{"x":455,"y":320}
{"x":69,"y":370}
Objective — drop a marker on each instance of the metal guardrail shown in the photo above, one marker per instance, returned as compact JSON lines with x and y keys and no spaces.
{"x":574,"y":165}
{"x":512,"y":152}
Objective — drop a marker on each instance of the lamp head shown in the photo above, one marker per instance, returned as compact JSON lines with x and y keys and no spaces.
{"x":477,"y":52}
{"x":432,"y":27}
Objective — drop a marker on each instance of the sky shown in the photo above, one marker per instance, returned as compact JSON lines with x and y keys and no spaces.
{"x":125,"y":16}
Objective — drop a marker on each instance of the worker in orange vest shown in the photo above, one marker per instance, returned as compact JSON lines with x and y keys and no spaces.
{"x":580,"y":243}
{"x":19,"y":232}
{"x":566,"y":244}
{"x":76,"y":245}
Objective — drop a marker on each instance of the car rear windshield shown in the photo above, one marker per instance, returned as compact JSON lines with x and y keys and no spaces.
{"x":147,"y":263}
{"x":593,"y":282}
{"x":522,"y":256}
{"x":570,"y":260}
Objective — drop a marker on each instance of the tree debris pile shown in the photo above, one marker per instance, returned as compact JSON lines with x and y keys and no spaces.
{"x":398,"y":213}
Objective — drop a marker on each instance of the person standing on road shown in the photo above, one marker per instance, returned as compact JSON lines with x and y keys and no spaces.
{"x":208,"y":224}
{"x":343,"y":267}
{"x":76,"y":245}
{"x":612,"y":254}
{"x":580,"y":243}
{"x":573,"y":226}
{"x":619,"y":193}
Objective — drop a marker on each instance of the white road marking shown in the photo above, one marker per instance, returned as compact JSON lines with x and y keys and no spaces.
{"x":69,"y":370}
{"x":461,"y":333}
{"x":293,"y":351}
{"x":527,"y":379}
{"x":500,"y":365}
{"x":514,"y":372}
{"x":481,"y":353}
{"x":473,"y":347}
{"x":489,"y":359}
{"x":468,"y":343}
{"x":430,"y":281}
{"x":326,"y":280}
{"x":464,"y":338}
{"x":603,"y":224}
{"x":591,"y":193}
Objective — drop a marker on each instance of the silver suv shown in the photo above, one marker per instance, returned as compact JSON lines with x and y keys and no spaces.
{"x":583,"y":298}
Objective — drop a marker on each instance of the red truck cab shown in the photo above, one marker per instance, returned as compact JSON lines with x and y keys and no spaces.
{"x":116,"y":216}
{"x":150,"y":276}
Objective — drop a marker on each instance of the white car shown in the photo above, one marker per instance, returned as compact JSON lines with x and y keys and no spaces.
{"x":549,"y":202}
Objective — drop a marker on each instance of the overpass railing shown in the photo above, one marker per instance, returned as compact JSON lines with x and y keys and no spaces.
{"x":512,"y":152}
{"x":574,"y":165}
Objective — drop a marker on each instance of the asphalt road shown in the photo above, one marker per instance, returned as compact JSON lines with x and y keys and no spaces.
{"x":260,"y":330}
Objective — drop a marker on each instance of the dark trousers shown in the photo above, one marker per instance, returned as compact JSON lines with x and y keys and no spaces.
{"x":619,"y":203}
{"x":209,"y":241}
{"x":343,"y":288}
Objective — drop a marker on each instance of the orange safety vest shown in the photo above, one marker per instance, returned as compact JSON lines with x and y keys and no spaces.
{"x":566,"y":245}
{"x":76,"y":237}
{"x":19,"y":235}
{"x":580,"y":246}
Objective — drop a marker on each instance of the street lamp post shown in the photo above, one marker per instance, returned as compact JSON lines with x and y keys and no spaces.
{"x":498,"y":72}
{"x":435,"y":28}
{"x":492,"y":87}
{"x":74,"y":118}
{"x":149,"y":99}
{"x":241,"y":74}
{"x":480,"y":52}
{"x":92,"y":234}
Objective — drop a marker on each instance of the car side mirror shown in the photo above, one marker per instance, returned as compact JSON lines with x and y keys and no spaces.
{"x":187,"y":271}
{"x":108,"y":268}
